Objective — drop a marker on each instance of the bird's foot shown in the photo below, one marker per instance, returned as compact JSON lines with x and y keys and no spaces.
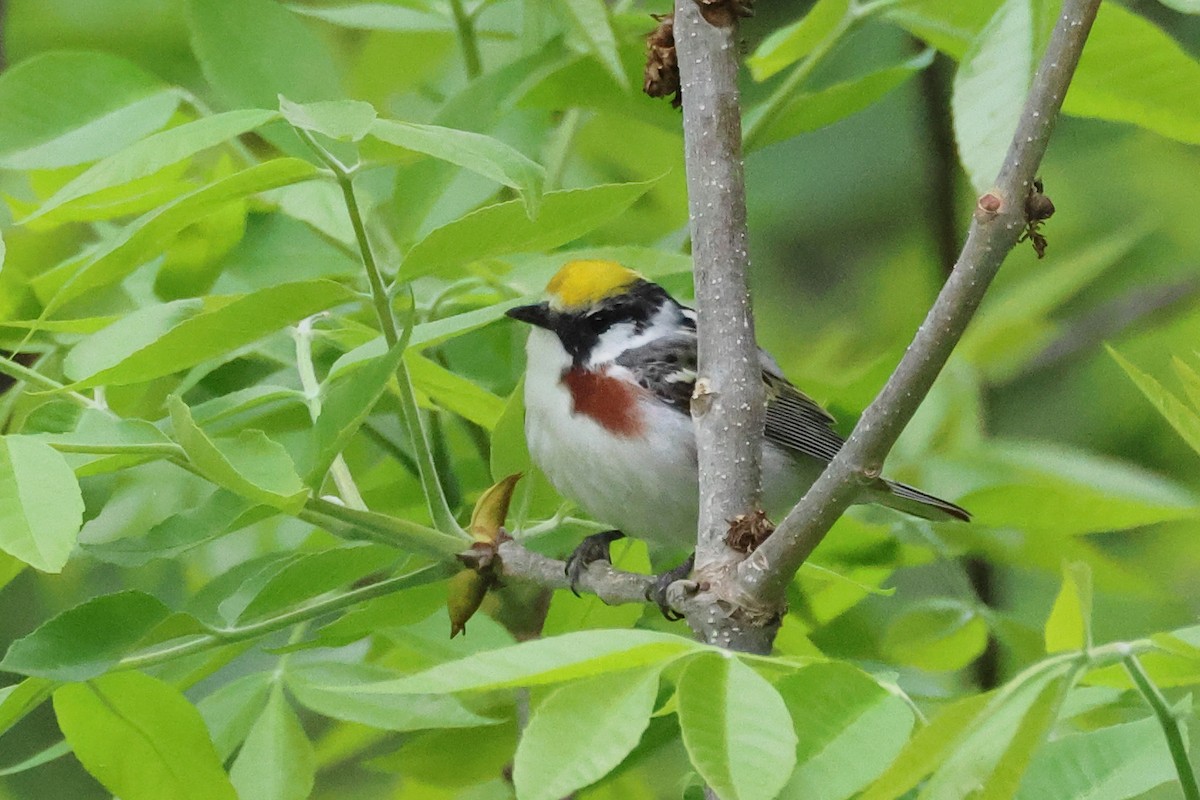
{"x":657,"y":591}
{"x":593,"y":548}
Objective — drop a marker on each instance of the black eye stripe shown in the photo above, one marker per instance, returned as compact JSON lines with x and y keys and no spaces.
{"x":637,"y":306}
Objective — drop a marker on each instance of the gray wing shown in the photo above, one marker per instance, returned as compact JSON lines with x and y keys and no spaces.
{"x":795,"y":421}
{"x":667,"y":368}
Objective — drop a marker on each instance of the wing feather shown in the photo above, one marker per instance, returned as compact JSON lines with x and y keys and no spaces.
{"x":666,"y":367}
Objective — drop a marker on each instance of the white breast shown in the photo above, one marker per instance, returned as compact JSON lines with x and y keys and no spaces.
{"x":649,"y":491}
{"x":646,"y":491}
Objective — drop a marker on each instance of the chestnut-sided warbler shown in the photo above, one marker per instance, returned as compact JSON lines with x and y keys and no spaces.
{"x":608,"y":387}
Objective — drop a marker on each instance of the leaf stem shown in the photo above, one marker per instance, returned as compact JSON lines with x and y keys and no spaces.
{"x":435,"y":495}
{"x":1170,"y":726}
{"x":217,"y":637}
{"x":465,"y":25}
{"x":302,"y":334}
{"x":19,"y":372}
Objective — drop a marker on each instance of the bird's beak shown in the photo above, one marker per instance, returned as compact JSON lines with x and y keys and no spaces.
{"x":538,"y":314}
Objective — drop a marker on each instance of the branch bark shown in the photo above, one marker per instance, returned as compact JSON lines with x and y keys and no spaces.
{"x":611,"y":585}
{"x":728,"y":404}
{"x":999,"y":220}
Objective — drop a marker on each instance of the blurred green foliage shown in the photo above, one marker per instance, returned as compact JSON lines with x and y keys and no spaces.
{"x":170,"y":572}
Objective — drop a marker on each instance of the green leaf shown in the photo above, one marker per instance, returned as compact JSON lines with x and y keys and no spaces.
{"x":989,"y":91}
{"x":789,"y":44}
{"x":589,"y":19}
{"x":345,"y":120}
{"x":1189,"y":378}
{"x":41,"y":508}
{"x":232,"y":710}
{"x":581,"y":731}
{"x":939,"y":634}
{"x":1114,"y":763}
{"x":1185,"y":421}
{"x":442,"y":330}
{"x":146,"y":157}
{"x":347,"y":404}
{"x":451,"y":391}
{"x":251,"y":465}
{"x":481,"y":154}
{"x":411,"y":712}
{"x":21,"y":698}
{"x":141,"y":739}
{"x":1132,"y":71}
{"x":377,"y":16}
{"x":736,"y":728}
{"x":176,"y":534}
{"x":1069,"y":626}
{"x":162,"y":340}
{"x":948,"y":25}
{"x":1066,"y":509}
{"x":252,"y":51}
{"x":87,"y":640}
{"x":994,"y":752}
{"x":276,"y":761}
{"x":928,"y":748}
{"x":64,"y":108}
{"x":314,"y":574}
{"x":148,"y":236}
{"x":1183,"y":6}
{"x":504,"y":228}
{"x":42,"y":757}
{"x":540,"y":661}
{"x":810,"y":111}
{"x":849,"y":728}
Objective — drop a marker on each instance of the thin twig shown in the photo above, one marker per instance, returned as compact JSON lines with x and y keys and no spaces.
{"x":999,"y":221}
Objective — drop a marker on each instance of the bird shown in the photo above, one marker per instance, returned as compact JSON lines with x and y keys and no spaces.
{"x":611,"y":362}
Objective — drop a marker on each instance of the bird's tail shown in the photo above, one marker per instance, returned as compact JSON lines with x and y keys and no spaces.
{"x":913,"y":501}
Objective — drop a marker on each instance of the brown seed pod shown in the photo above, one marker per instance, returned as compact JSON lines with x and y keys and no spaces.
{"x":662,"y":65}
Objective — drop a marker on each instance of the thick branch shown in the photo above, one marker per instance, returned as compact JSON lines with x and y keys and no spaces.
{"x":999,"y":221}
{"x":728,"y":403}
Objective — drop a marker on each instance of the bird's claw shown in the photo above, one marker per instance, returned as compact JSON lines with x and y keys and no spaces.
{"x":656,"y":592}
{"x":593,"y":548}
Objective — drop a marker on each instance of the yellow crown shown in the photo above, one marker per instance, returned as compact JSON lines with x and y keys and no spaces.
{"x":580,"y":284}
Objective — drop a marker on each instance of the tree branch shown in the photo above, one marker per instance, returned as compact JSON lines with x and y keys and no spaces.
{"x":728,"y":403}
{"x":611,"y":585}
{"x":999,"y":220}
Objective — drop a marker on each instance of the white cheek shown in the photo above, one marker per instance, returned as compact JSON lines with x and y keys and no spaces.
{"x":623,"y":336}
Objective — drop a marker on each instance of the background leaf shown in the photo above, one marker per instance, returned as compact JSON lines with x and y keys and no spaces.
{"x":989,"y":91}
{"x":162,"y":340}
{"x":1069,"y":626}
{"x":503,"y":228}
{"x":69,"y":108}
{"x":41,"y":508}
{"x":276,"y":761}
{"x":141,"y":739}
{"x":87,"y":640}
